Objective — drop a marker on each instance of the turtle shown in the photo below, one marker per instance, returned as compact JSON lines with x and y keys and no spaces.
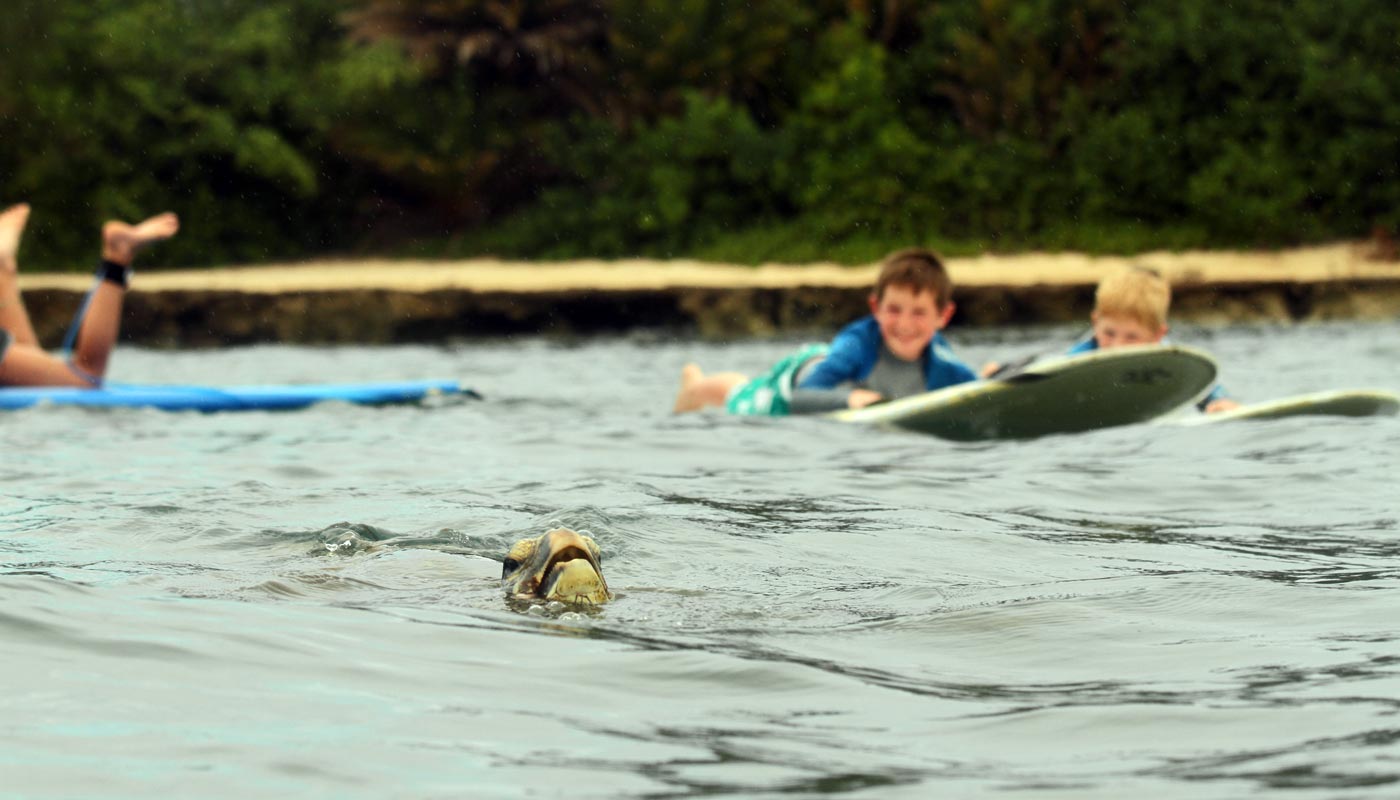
{"x":559,"y":565}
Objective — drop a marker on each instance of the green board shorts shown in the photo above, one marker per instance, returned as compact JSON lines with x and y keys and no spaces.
{"x":770,"y":394}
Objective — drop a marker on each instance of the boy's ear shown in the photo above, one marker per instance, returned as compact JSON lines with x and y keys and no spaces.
{"x":945,"y":314}
{"x":874,"y":302}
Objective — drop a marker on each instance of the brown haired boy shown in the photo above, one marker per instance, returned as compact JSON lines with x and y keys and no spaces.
{"x":895,"y":352}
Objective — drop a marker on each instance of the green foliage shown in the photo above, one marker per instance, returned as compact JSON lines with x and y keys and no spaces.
{"x":755,"y":54}
{"x":661,"y":190}
{"x":139,"y":106}
{"x":784,"y":130}
{"x":850,"y":161}
{"x":1254,"y":120}
{"x":1013,"y":67}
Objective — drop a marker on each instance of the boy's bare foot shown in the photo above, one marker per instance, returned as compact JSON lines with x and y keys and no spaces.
{"x":699,"y":390}
{"x":120,"y":241}
{"x":691,"y":376}
{"x":12,"y":222}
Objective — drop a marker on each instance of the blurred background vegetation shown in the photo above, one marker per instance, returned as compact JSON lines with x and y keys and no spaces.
{"x":739,"y":131}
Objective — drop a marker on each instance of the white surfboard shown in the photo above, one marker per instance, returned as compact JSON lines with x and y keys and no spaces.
{"x":1100,"y":389}
{"x":1343,"y":403}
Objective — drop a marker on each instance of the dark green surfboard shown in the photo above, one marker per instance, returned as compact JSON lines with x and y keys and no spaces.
{"x":1100,"y":389}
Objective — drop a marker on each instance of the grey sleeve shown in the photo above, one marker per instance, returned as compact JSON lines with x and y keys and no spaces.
{"x":818,"y":401}
{"x":815,"y":401}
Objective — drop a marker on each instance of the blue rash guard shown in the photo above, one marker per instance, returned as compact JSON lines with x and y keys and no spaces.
{"x":1089,"y":344}
{"x":817,"y":378}
{"x":856,"y":348}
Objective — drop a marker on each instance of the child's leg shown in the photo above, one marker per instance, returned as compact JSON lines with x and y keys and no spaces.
{"x":699,"y":390}
{"x":27,"y":365}
{"x":101,"y":323}
{"x":13,"y":316}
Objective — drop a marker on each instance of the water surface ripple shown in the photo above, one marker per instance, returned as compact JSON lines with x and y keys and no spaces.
{"x":306,"y":604}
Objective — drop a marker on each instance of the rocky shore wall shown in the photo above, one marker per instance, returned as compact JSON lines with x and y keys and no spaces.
{"x":187,"y":317}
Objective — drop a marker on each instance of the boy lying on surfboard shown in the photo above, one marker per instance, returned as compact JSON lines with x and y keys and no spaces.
{"x":894,"y":352}
{"x":22,"y":361}
{"x":1130,"y":307}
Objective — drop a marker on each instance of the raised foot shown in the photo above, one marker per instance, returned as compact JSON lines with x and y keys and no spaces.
{"x":12,"y":222}
{"x":687,"y":398}
{"x":121,"y":241}
{"x":691,"y":374}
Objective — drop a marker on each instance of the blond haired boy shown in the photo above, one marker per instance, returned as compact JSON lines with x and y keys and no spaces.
{"x":896,"y":351}
{"x":1130,"y":307}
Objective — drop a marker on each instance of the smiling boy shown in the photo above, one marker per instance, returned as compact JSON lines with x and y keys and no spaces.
{"x":894,"y":352}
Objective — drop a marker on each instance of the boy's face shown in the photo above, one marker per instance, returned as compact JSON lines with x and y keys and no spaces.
{"x":908,"y":319}
{"x":1115,"y":331}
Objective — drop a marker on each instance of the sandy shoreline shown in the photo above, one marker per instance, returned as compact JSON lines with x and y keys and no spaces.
{"x":381,"y":301}
{"x":1348,"y":261}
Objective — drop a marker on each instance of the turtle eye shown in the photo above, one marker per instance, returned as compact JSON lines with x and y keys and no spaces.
{"x":508,"y":566}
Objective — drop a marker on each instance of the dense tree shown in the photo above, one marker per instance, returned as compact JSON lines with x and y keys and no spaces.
{"x":782,"y":129}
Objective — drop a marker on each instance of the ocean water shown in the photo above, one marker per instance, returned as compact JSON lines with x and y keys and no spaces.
{"x":307,"y":604}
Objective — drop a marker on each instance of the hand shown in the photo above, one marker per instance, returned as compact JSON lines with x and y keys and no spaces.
{"x":860,"y":398}
{"x":989,"y":369}
{"x":1223,"y":404}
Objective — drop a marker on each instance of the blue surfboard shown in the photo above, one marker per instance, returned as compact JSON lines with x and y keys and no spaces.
{"x":269,"y":397}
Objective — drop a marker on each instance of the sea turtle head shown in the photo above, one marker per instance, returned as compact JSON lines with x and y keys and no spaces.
{"x":560,"y":565}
